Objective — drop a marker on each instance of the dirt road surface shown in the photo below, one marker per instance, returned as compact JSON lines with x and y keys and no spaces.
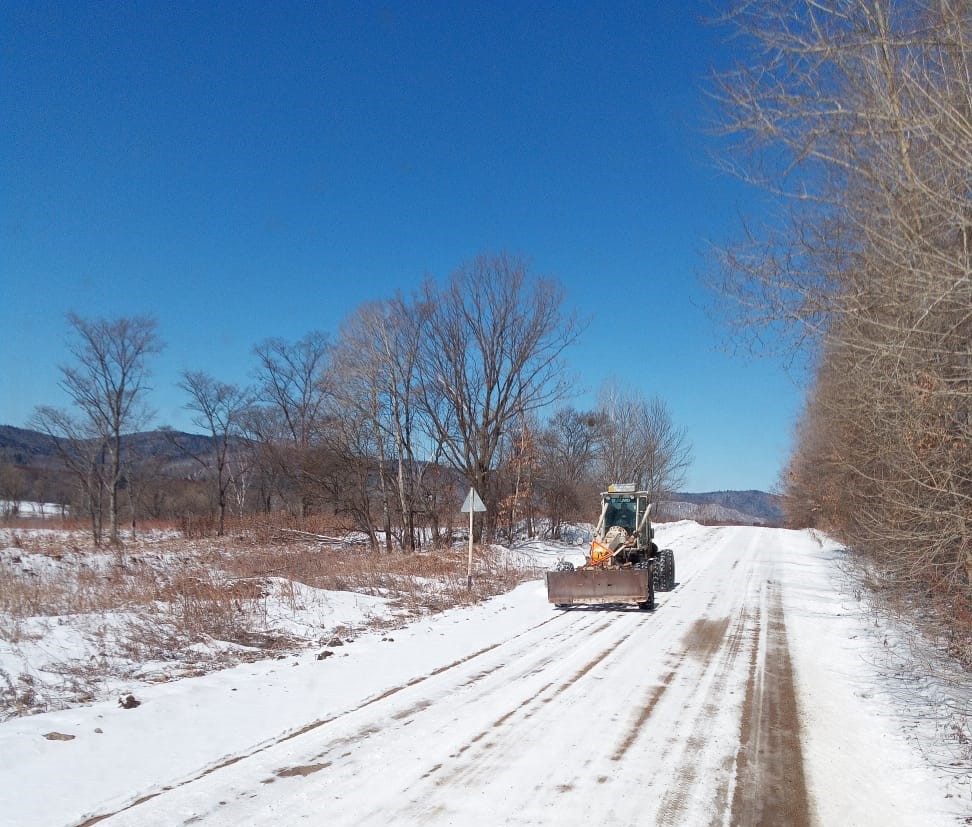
{"x":690,"y":715}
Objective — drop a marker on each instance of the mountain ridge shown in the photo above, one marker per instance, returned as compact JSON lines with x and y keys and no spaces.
{"x":749,"y":506}
{"x":174,"y":451}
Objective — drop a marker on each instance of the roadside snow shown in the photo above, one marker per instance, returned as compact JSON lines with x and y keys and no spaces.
{"x":855,"y":717}
{"x":183,"y":727}
{"x":862,"y":754}
{"x":26,"y":509}
{"x":78,"y":624}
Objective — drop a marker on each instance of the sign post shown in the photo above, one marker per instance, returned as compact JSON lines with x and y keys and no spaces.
{"x":472,"y":504}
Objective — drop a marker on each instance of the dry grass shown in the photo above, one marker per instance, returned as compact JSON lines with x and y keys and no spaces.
{"x":157,"y":600}
{"x":924,"y":662}
{"x":224,"y":575}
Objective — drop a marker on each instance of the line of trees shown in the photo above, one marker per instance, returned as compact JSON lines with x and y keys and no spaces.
{"x":386,"y":426}
{"x":106,"y":382}
{"x":857,"y":114}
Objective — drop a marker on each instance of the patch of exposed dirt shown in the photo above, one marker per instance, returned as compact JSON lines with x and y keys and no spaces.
{"x":770,"y":783}
{"x":716,"y":644}
{"x":305,"y":770}
{"x":705,"y":637}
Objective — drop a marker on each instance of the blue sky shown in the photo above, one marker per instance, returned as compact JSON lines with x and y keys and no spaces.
{"x":245,"y":170}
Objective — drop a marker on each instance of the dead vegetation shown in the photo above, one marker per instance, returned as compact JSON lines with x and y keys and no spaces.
{"x":855,"y":116}
{"x":922,"y":662}
{"x":166,"y":607}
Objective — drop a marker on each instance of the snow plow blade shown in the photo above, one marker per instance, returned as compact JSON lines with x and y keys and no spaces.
{"x":568,"y":588}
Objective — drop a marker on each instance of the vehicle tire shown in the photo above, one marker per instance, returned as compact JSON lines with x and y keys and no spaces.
{"x":671,"y":568}
{"x":649,"y":604}
{"x":665,"y":570}
{"x":657,"y":574}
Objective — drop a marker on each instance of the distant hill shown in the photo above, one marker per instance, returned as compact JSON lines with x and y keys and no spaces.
{"x":171,"y":454}
{"x":18,"y":446}
{"x":744,"y":507}
{"x":173,"y":450}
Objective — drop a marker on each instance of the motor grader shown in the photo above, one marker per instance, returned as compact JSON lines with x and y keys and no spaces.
{"x":624,"y":564}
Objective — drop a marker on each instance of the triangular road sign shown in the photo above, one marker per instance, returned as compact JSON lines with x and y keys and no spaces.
{"x":472,"y":502}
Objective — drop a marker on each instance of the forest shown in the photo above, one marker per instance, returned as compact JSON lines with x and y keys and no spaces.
{"x":380,"y":429}
{"x":855,"y":119}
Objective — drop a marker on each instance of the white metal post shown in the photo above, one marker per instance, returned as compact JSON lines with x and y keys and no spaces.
{"x":472,"y":504}
{"x":469,"y":567}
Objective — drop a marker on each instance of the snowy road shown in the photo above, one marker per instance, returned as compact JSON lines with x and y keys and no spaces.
{"x":734,"y":703}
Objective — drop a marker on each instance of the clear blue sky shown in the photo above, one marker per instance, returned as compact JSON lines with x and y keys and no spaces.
{"x":243,"y":170}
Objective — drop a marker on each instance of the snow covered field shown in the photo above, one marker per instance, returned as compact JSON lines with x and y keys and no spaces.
{"x":32,"y":510}
{"x":756,"y":693}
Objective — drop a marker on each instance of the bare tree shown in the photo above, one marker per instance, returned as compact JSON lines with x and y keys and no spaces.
{"x":859,"y":114}
{"x":107,"y":384}
{"x":292,"y":388}
{"x":241,"y":466}
{"x":220,"y":409}
{"x":516,"y":477}
{"x":641,"y":443}
{"x":347,"y":471}
{"x":83,"y":454}
{"x":492,"y":350}
{"x":570,"y":446}
{"x":374,"y":370}
{"x":13,"y":489}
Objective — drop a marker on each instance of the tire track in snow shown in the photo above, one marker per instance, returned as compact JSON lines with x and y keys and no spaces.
{"x":407,"y":715}
{"x":771,"y":787}
{"x":526,"y":734}
{"x":520,"y":664}
{"x":474,"y":765}
{"x":715,"y":645}
{"x":363,"y":733}
{"x":709,"y":686}
{"x":654,"y":696}
{"x":489,"y":754}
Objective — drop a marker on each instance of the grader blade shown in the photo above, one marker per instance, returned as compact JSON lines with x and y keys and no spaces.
{"x":568,"y":588}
